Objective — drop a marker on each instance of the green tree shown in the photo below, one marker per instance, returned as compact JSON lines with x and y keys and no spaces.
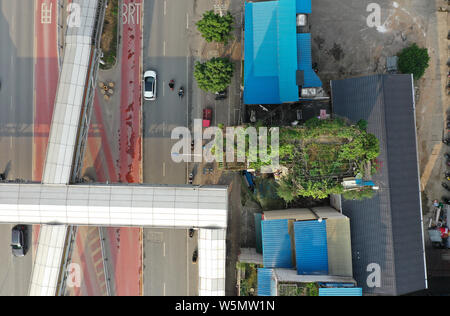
{"x":214,"y":75}
{"x":214,"y":27}
{"x":413,"y":60}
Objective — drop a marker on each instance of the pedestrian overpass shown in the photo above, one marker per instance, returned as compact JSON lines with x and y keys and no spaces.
{"x":59,"y":203}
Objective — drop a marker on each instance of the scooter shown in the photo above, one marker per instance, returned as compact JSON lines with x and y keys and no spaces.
{"x":181,"y":92}
{"x":446,"y":141}
{"x":191,"y":232}
{"x":191,"y":178}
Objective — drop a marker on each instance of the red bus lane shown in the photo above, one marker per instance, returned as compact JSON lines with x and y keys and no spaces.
{"x":126,"y":243}
{"x":46,"y":73}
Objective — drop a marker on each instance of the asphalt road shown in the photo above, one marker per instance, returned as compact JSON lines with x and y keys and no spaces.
{"x":166,"y":52}
{"x":168,"y":267}
{"x":15,"y":272}
{"x":17,"y":92}
{"x":16,"y":125}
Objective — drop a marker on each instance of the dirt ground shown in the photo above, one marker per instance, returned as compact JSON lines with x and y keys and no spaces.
{"x":344,"y":46}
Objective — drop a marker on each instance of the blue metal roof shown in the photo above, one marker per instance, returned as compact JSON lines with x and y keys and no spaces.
{"x":287,"y":51}
{"x":266,"y":285}
{"x":270,"y":62}
{"x":258,"y":238}
{"x":311,"y":249}
{"x":276,"y":244}
{"x":304,"y":6}
{"x":304,"y":61}
{"x":348,"y":291}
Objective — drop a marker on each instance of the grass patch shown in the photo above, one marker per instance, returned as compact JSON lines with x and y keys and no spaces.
{"x":249,"y":278}
{"x":109,"y":36}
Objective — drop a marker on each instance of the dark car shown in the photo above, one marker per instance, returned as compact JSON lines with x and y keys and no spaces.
{"x":195,"y":256}
{"x":221,"y":95}
{"x":19,"y":241}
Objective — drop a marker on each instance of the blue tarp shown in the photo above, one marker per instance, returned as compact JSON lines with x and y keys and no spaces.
{"x":348,"y":291}
{"x":276,"y":244}
{"x":311,"y":250}
{"x":304,"y":61}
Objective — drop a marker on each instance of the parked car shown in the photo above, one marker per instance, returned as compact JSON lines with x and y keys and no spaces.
{"x":221,"y":95}
{"x":150,"y":85}
{"x":19,"y":240}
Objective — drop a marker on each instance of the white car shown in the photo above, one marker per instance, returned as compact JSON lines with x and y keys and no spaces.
{"x":150,"y":85}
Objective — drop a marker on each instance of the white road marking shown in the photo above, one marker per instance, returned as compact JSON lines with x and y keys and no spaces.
{"x":165,"y":7}
{"x":164,"y":249}
{"x":164,"y":88}
{"x":187,"y":20}
{"x":164,"y":289}
{"x":164,"y":169}
{"x":10,"y":142}
{"x":164,"y":48}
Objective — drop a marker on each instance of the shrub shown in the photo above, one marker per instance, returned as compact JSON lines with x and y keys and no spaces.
{"x":413,"y":60}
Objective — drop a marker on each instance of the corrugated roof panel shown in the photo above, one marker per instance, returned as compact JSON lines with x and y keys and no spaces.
{"x":304,"y":6}
{"x":258,"y":237}
{"x":260,"y":62}
{"x":311,"y":247}
{"x":342,"y":291}
{"x":264,"y":282}
{"x":276,"y":244}
{"x":386,"y":229}
{"x":305,"y":62}
{"x":287,"y":51}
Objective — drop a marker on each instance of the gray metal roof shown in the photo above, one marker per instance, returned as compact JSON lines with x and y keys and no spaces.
{"x":387,"y":229}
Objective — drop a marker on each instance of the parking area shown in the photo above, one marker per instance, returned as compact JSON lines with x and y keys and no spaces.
{"x":345,"y":45}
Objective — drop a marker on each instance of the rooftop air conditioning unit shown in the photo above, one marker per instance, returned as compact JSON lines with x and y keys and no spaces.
{"x":302,"y":19}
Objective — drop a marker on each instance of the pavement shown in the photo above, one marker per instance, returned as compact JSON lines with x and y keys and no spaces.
{"x":87,"y":254}
{"x":17,"y":88}
{"x":168,"y":267}
{"x":16,"y":125}
{"x":113,"y":152}
{"x":15,"y":272}
{"x":46,"y":66}
{"x":166,"y":51}
{"x":172,"y":45}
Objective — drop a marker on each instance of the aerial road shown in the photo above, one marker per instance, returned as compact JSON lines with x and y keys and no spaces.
{"x":16,"y":125}
{"x":166,"y":52}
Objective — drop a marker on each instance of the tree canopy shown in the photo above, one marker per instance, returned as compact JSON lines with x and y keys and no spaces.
{"x":216,"y":28}
{"x":413,"y":60}
{"x":214,"y":75}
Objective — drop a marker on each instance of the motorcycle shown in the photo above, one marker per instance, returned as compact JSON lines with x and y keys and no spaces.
{"x":181,"y":92}
{"x":191,"y":178}
{"x":446,"y":141}
{"x":172,"y":84}
{"x":191,"y":232}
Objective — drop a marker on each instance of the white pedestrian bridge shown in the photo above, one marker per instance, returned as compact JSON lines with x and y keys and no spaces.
{"x":56,"y":206}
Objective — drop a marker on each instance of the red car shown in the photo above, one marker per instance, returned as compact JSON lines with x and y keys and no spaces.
{"x":207,"y":115}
